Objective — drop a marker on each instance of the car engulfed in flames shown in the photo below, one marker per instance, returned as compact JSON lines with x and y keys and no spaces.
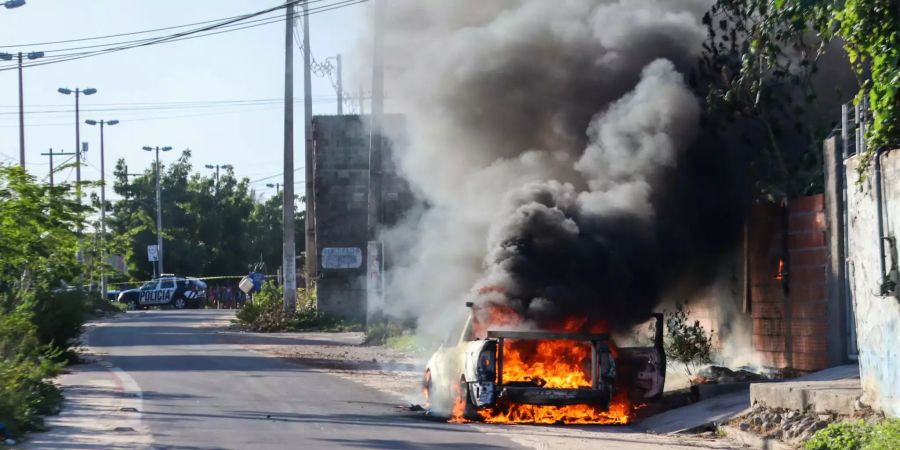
{"x":572,"y":374}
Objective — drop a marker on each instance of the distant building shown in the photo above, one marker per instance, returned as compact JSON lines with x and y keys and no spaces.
{"x":341,"y":148}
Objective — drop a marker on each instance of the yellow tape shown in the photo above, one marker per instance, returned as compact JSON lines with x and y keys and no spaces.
{"x":218,"y":277}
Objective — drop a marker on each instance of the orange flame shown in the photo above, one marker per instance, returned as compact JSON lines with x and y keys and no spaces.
{"x":550,"y":363}
{"x":780,"y":274}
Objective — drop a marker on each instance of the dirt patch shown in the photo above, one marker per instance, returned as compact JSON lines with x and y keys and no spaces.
{"x":388,"y":370}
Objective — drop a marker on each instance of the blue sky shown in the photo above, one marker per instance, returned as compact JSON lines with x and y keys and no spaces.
{"x":242,"y":65}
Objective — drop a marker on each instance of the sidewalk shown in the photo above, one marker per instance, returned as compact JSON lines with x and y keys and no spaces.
{"x":102,"y":408}
{"x":835,"y":390}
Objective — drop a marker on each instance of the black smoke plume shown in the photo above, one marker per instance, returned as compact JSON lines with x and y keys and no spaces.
{"x":561,"y":155}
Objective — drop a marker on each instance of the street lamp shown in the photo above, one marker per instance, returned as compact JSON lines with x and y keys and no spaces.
{"x":217,"y":167}
{"x":159,"y":239}
{"x":78,"y":151}
{"x":7,"y":57}
{"x":10,"y":4}
{"x":102,"y":201}
{"x":78,"y":92}
{"x":277,"y":187}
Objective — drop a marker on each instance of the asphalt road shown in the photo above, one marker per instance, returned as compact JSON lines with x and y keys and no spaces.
{"x":173,"y":379}
{"x":202,"y":393}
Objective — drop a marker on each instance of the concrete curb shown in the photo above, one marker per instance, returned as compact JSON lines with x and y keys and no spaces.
{"x":753,"y":441}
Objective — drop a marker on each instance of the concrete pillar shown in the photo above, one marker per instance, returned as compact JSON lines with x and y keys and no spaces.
{"x":835,"y":276}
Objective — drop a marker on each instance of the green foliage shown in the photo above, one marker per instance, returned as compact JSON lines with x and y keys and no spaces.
{"x":686,"y":343}
{"x":265,"y":313}
{"x":211,"y":227}
{"x":870,"y":30}
{"x":759,"y":46}
{"x":756,"y":72}
{"x":857,"y":435}
{"x":39,"y":321}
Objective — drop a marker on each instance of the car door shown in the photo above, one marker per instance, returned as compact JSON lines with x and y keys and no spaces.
{"x":166,"y":290}
{"x":147,"y":293}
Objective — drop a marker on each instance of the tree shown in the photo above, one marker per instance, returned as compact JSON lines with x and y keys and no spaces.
{"x":757,"y":47}
{"x":209,"y":228}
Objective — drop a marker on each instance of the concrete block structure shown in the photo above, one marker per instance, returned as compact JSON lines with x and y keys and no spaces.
{"x":876,"y":308}
{"x":341,"y":146}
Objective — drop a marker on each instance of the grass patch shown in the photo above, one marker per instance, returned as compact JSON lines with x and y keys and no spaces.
{"x":859,"y":435}
{"x":408,"y":343}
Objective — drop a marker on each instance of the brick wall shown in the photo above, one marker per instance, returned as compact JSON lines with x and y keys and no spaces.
{"x":789,"y":314}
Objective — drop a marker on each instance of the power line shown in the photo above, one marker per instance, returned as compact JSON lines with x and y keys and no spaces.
{"x":190,"y":34}
{"x":166,"y":106}
{"x":132,"y":33}
{"x":175,"y":103}
{"x":273,"y":176}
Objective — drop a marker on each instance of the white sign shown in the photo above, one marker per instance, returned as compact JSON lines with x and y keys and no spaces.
{"x":152,"y":253}
{"x":341,"y":257}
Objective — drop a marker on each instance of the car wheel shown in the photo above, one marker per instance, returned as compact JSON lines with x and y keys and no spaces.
{"x":427,"y":390}
{"x":180,"y":303}
{"x":131,"y":305}
{"x":462,"y":404}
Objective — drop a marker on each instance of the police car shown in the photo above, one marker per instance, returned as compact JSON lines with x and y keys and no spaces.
{"x":166,"y":291}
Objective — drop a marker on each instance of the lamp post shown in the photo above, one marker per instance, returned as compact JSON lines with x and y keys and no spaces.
{"x":7,"y":57}
{"x":102,"y":123}
{"x":10,"y":4}
{"x":78,"y":92}
{"x":217,"y":167}
{"x":277,"y":187}
{"x":159,"y":239}
{"x":78,"y":150}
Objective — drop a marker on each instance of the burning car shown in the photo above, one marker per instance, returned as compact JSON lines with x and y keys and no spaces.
{"x":566,"y":376}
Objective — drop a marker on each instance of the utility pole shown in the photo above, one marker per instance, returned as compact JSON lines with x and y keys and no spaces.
{"x":8,"y":57}
{"x":312,"y":267}
{"x":21,"y":116}
{"x":277,"y":187}
{"x":340,"y":87}
{"x":375,"y":256}
{"x":375,"y":172}
{"x":51,"y":154}
{"x":159,"y":239}
{"x":288,"y":260}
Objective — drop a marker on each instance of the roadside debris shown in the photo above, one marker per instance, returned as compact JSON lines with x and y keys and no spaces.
{"x":720,"y":374}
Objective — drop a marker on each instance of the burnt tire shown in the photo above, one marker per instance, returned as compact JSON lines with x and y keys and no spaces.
{"x":469,"y":411}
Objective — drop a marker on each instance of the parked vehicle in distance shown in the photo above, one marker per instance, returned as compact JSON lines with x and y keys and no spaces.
{"x":166,"y":291}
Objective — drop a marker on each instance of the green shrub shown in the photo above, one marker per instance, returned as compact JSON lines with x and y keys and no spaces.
{"x":857,"y":435}
{"x":885,"y":436}
{"x":379,"y":333}
{"x":265,"y":313}
{"x":25,"y":394}
{"x":59,"y":318}
{"x":688,"y":344}
{"x":38,"y":241}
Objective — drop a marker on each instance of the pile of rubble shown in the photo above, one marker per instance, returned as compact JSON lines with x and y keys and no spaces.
{"x":786,"y":425}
